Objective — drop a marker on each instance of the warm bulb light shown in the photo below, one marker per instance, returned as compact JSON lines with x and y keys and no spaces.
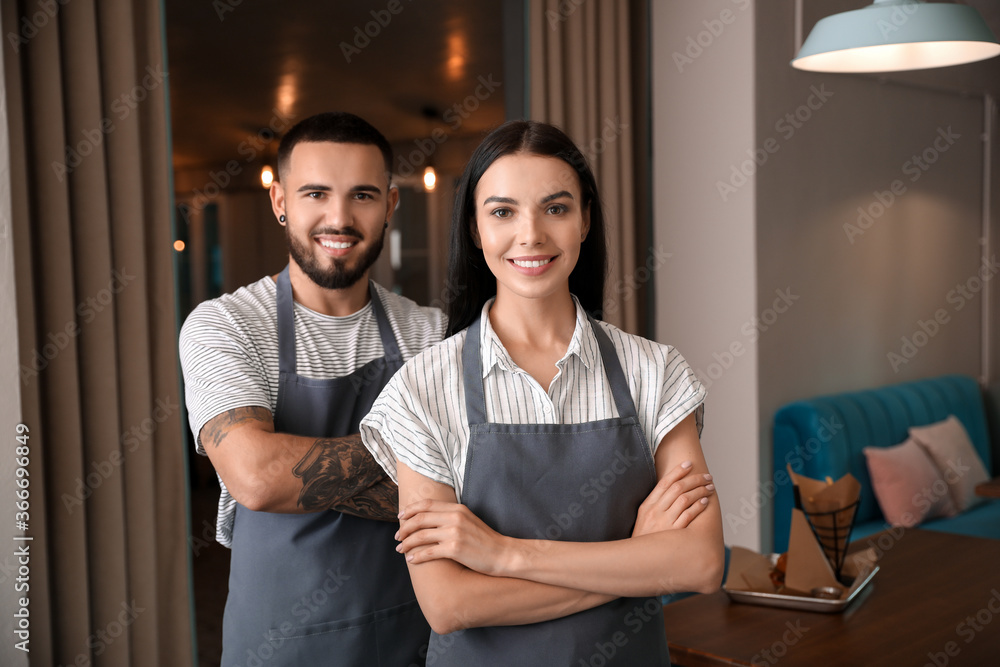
{"x":266,"y":176}
{"x":178,"y":245}
{"x":896,"y":36}
{"x":430,"y":179}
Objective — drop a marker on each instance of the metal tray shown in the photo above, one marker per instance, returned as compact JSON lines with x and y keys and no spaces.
{"x":802,"y":602}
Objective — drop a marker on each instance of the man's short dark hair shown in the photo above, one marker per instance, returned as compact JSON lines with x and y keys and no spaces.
{"x":335,"y":126}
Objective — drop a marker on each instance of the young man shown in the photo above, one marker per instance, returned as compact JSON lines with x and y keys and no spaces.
{"x":278,"y":375}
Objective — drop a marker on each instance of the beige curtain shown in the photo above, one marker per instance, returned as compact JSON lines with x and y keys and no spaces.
{"x":580,"y":64}
{"x":86,"y":101}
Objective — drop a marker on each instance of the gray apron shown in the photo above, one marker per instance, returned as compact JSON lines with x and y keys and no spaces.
{"x":570,"y":482}
{"x":322,"y":588}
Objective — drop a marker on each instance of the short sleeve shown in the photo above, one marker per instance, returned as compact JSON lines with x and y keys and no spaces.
{"x":681,"y":393}
{"x":398,"y":427}
{"x":221,"y":368}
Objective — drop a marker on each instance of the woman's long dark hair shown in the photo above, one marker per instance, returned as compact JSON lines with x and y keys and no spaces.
{"x":470,"y":281}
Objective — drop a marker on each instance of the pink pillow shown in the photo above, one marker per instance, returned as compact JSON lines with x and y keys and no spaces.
{"x":949,"y":446}
{"x":908,"y":486}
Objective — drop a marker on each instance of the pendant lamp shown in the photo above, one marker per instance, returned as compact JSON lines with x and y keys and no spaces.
{"x":897,"y":35}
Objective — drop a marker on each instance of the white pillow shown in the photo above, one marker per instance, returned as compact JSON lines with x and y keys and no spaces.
{"x":949,"y":446}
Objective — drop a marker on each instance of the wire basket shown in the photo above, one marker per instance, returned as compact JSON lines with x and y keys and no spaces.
{"x":831,"y":529}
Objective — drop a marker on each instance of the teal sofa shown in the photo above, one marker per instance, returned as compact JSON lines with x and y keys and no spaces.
{"x":825,"y":436}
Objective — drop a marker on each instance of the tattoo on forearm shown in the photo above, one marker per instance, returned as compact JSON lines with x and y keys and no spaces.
{"x":340,"y":472}
{"x":216,"y":429}
{"x":380,"y":502}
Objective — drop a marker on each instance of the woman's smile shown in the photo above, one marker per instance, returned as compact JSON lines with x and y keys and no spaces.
{"x":534,"y":265}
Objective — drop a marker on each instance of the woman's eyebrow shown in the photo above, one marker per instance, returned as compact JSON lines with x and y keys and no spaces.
{"x":558,"y":195}
{"x":499,"y":200}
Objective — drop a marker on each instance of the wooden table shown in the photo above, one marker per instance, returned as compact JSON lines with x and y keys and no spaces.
{"x":935,"y":601}
{"x":990,"y":489}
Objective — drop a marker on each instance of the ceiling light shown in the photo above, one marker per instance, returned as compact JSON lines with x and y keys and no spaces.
{"x":897,"y":35}
{"x":430,"y":179}
{"x":266,"y":176}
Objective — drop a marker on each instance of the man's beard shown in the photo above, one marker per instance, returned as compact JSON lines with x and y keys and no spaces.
{"x":339,"y":277}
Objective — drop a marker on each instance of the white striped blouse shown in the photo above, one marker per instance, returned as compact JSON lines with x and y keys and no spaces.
{"x":420,"y":417}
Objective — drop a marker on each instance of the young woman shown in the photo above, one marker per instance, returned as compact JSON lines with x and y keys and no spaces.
{"x":551,"y":429}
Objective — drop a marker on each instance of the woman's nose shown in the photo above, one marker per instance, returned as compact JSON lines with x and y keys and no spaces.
{"x":531,"y":231}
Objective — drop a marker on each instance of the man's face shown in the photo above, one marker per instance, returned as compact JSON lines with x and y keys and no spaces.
{"x":336,"y":200}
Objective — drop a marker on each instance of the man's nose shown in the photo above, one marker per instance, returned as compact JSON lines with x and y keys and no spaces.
{"x":337,"y":213}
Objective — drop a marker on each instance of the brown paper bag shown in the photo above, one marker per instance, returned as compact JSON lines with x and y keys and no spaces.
{"x":829,"y":508}
{"x":748,"y":571}
{"x":808,"y":567}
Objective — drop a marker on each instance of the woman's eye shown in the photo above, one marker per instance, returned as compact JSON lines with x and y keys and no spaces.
{"x":502,"y":212}
{"x":556,"y":209}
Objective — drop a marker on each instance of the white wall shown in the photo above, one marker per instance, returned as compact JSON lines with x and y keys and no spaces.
{"x":703,"y":126}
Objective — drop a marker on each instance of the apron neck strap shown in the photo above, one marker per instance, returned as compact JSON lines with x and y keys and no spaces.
{"x":613,"y":369}
{"x":384,"y":328}
{"x":286,"y":323}
{"x":472,"y":373}
{"x":287,"y":362}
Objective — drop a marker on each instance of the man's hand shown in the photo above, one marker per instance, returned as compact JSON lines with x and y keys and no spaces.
{"x":675,"y":501}
{"x":276,"y":472}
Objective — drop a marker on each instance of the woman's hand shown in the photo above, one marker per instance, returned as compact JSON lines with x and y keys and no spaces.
{"x":675,"y":501}
{"x":433,"y":529}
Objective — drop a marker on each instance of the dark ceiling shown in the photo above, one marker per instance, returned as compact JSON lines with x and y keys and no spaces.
{"x":238,"y":65}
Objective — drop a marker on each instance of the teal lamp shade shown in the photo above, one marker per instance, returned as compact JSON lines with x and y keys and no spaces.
{"x":897,"y":35}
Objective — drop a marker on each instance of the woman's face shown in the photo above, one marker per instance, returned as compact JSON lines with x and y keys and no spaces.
{"x":530,"y":222}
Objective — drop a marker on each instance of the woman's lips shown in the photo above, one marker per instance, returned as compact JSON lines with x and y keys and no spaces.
{"x":532,"y":266}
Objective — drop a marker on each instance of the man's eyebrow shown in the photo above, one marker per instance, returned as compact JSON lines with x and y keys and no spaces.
{"x":315,"y":187}
{"x":499,"y":200}
{"x":557,"y":195}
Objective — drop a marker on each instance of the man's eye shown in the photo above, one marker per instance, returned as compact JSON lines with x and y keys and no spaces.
{"x":315,"y":195}
{"x":363,"y":195}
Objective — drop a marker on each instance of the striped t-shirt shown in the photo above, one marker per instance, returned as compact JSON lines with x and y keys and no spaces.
{"x":421,"y":417}
{"x":229,"y":354}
